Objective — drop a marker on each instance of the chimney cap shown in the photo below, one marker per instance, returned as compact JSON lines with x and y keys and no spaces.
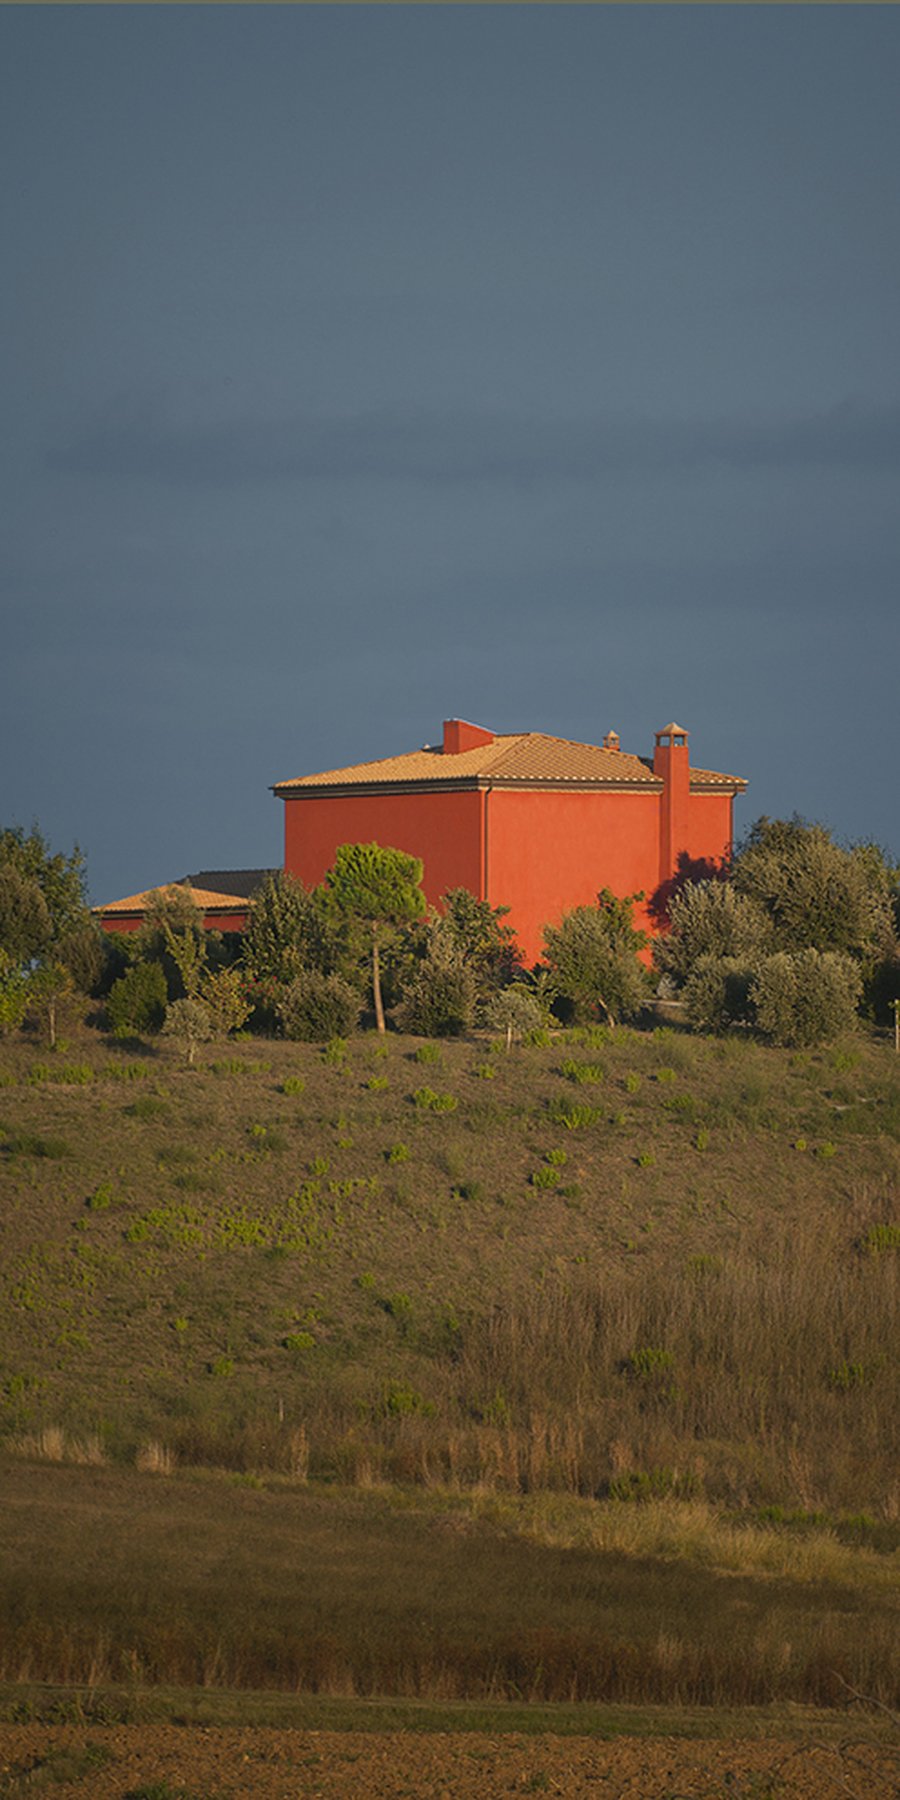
{"x":671,"y":730}
{"x":612,"y":740}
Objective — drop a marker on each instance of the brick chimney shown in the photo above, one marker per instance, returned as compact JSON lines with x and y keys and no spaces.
{"x":671,"y":762}
{"x":459,"y":735}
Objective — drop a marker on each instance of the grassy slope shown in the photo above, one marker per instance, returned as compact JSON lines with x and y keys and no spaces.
{"x":698,"y":1309}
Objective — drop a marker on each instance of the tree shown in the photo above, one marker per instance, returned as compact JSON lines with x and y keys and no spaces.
{"x":592,"y":956}
{"x":25,"y":924}
{"x":291,"y":928}
{"x":816,"y":894}
{"x":805,"y":996}
{"x":710,"y":920}
{"x":516,"y":1010}
{"x":223,"y":993}
{"x":440,"y":993}
{"x":137,"y":1001}
{"x":189,"y":1023}
{"x":380,"y":888}
{"x":50,"y":986}
{"x":60,"y":879}
{"x":478,"y":932}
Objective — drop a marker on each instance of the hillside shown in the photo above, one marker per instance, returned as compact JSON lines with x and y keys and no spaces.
{"x":610,"y":1255}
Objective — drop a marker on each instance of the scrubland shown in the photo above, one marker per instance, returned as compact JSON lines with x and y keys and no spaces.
{"x":563,"y":1374}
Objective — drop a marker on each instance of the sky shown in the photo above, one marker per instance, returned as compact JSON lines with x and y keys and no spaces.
{"x":366,"y":366}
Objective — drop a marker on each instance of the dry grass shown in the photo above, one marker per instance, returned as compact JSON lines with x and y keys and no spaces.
{"x":111,"y":1578}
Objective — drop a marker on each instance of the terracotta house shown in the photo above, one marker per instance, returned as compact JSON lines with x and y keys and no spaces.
{"x":535,"y":823}
{"x":221,"y":895}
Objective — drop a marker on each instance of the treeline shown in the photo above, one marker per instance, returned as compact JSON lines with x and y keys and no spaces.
{"x":794,"y":940}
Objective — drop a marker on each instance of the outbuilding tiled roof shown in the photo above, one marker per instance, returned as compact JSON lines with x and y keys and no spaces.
{"x":529,"y":756}
{"x":204,"y":899}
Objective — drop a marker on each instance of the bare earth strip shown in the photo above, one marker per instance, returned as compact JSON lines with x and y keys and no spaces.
{"x":212,"y":1763}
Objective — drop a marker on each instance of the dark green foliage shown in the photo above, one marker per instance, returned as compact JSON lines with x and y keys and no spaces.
{"x":25,"y":924}
{"x":84,"y":951}
{"x":816,"y":894}
{"x":377,"y":888}
{"x":290,"y":928}
{"x":805,"y":997}
{"x":592,"y":959}
{"x":717,"y":992}
{"x":137,"y":1001}
{"x":478,"y":933}
{"x":59,"y":879}
{"x":314,"y":1007}
{"x":440,"y":997}
{"x":711,"y":920}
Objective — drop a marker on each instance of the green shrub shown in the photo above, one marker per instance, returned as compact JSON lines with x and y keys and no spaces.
{"x":710,"y":922}
{"x":102,"y":1198}
{"x":582,"y":1072}
{"x":574,"y":1118}
{"x":147,"y":1106}
{"x":544,"y":1178}
{"x":398,"y":1153}
{"x":879,"y":1238}
{"x":298,"y":1342}
{"x":427,"y":1053}
{"x":432,"y":1102}
{"x":440,"y":996}
{"x":315,"y":1008}
{"x":293,"y":1084}
{"x":399,"y":1400}
{"x":592,"y":956}
{"x":717,"y":993}
{"x":137,"y":1002}
{"x":648,"y":1361}
{"x":806,"y":996}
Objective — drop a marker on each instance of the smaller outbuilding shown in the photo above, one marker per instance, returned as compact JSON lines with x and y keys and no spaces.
{"x":221,"y":896}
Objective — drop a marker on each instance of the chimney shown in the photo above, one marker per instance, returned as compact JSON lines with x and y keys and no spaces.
{"x":671,"y":762}
{"x":611,"y":741}
{"x":459,"y":735}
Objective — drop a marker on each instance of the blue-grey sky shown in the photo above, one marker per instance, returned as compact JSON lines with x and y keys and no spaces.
{"x":363,"y":366}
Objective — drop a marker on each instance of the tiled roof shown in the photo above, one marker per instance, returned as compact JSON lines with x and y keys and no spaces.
{"x":525,"y":756}
{"x":204,"y":899}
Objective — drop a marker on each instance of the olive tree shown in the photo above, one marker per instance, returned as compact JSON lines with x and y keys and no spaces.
{"x":592,"y":956}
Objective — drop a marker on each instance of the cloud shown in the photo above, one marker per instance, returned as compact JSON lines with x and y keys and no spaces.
{"x":403,"y":444}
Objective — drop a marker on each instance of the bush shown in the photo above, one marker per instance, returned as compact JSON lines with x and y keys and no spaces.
{"x":516,"y":1011}
{"x":717,"y":993}
{"x":224,"y":996}
{"x":315,"y":1008}
{"x":592,"y":958}
{"x":805,"y":996}
{"x":189,"y":1022}
{"x":137,"y":1001}
{"x":440,"y":997}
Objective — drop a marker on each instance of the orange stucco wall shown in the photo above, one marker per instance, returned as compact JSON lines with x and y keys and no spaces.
{"x":549,"y":852}
{"x":445,"y":830}
{"x":536,"y":851}
{"x":710,"y":827}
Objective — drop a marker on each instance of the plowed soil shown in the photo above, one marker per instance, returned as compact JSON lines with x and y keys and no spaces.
{"x":213,"y":1763}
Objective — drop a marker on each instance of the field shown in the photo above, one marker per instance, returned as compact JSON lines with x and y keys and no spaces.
{"x":561,"y":1376}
